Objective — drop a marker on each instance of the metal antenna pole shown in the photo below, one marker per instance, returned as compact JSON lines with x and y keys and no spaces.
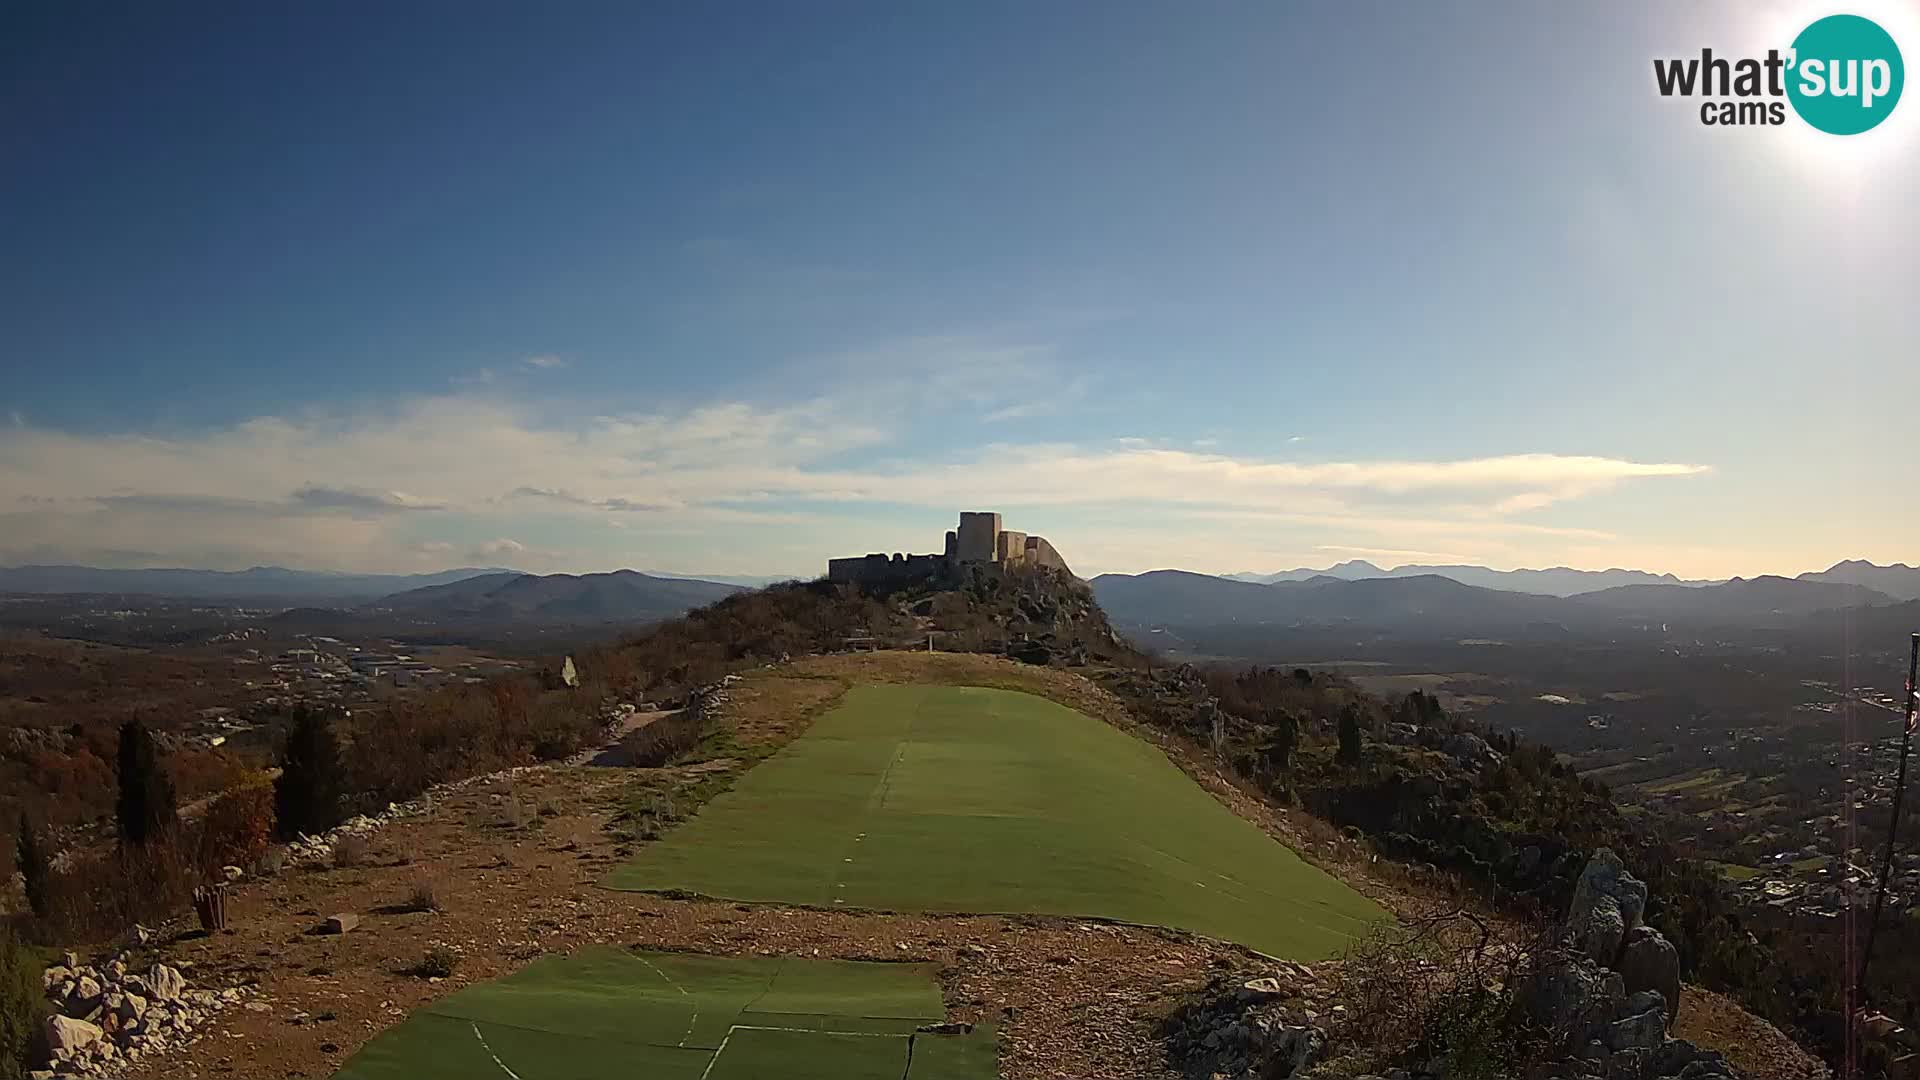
{"x":1893,"y":826}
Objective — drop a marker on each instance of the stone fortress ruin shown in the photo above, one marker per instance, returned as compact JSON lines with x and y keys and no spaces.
{"x":978,"y":541}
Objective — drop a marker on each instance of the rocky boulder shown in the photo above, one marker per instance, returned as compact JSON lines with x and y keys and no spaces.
{"x":67,"y":1036}
{"x":1650,"y":962}
{"x":1566,"y":996}
{"x":165,"y":983}
{"x":1607,"y":903}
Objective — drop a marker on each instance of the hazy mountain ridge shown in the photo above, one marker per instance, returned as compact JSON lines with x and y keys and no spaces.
{"x":621,"y":595}
{"x":1900,"y":581}
{"x":1436,"y":602}
{"x":255,"y":583}
{"x":1764,"y":595}
{"x":1553,"y":581}
{"x":1175,"y":597}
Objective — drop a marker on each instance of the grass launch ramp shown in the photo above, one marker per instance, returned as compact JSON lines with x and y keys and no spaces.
{"x":610,"y":1014}
{"x":966,"y":799}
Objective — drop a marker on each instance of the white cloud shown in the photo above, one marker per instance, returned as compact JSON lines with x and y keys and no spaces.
{"x":503,"y":548}
{"x":374,"y":490}
{"x":546,"y":362}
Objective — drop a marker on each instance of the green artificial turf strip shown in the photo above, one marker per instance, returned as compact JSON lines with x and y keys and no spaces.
{"x":753,"y":1054}
{"x":854,"y":988}
{"x":956,"y":1057}
{"x":604,"y":1013}
{"x":852,"y":1025}
{"x":966,"y":799}
{"x":433,"y":1047}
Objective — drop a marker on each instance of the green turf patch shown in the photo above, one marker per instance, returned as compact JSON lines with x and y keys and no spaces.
{"x":955,"y":1057}
{"x":604,"y":1013}
{"x":758,"y":1054}
{"x":965,"y":799}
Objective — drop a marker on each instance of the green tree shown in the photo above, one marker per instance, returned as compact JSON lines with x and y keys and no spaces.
{"x":22,"y":1007}
{"x":1276,"y":753}
{"x":35,"y":863}
{"x":308,"y":794}
{"x":1350,"y":736}
{"x":147,"y":810}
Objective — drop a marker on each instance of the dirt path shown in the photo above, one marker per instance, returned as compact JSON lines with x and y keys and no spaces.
{"x":609,"y":755}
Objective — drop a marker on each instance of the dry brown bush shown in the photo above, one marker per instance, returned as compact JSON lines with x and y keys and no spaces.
{"x":238,"y":826}
{"x":660,"y":742}
{"x":1444,"y":986}
{"x":95,"y":898}
{"x":350,"y":851}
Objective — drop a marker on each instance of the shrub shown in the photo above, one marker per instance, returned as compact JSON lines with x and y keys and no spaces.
{"x":664,"y":740}
{"x":146,"y":808}
{"x":307,"y":797}
{"x":97,"y":898}
{"x":238,"y":827}
{"x":1444,"y":987}
{"x":423,"y":898}
{"x":22,"y":1007}
{"x":440,"y":962}
{"x":350,"y":851}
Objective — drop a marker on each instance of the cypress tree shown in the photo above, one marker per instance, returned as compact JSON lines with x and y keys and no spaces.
{"x":35,"y":862}
{"x":146,"y":807}
{"x":1350,"y":736}
{"x":307,"y":796}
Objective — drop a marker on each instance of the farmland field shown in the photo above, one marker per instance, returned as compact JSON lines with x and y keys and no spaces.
{"x":966,"y":799}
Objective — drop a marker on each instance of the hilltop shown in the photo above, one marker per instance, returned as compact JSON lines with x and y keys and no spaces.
{"x":1428,"y":813}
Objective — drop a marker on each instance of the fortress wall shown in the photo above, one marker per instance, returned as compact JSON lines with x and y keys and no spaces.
{"x":1041,"y":553}
{"x":978,"y":536}
{"x":1011,"y":547}
{"x":857,"y":568}
{"x":980,"y":539}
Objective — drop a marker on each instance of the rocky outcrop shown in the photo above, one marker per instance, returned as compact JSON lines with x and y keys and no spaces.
{"x":1650,"y":962}
{"x":1267,"y":1028}
{"x":1607,"y":902}
{"x":103,"y":1017}
{"x":1609,"y":997}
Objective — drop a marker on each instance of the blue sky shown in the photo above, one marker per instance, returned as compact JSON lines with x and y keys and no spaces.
{"x":732,"y":288}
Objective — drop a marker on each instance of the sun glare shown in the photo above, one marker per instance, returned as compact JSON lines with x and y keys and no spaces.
{"x":1847,"y":159}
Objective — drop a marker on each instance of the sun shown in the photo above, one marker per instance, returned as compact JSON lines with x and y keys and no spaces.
{"x":1846,"y":160}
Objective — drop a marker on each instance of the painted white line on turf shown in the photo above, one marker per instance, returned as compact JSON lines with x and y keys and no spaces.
{"x":694,"y":1020}
{"x":491,"y":1054}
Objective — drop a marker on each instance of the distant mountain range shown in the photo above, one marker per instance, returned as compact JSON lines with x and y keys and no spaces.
{"x":1439,"y":603}
{"x":1557,"y":581}
{"x":262,"y":583}
{"x":620,"y":596}
{"x":1900,"y":581}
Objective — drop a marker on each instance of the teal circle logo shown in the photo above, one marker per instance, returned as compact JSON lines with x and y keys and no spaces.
{"x":1847,"y":74}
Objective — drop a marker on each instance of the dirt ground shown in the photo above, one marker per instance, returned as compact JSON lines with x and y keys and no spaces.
{"x":512,"y":866}
{"x":1754,"y":1046}
{"x":1074,"y":998}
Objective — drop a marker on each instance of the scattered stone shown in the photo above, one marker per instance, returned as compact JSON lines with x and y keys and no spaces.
{"x":165,"y":983}
{"x":67,"y":1035}
{"x":340,"y":924}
